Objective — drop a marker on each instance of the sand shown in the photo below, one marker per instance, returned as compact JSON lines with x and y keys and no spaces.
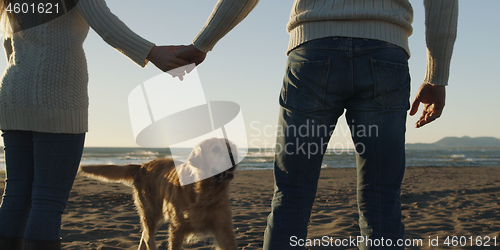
{"x":437,"y":202}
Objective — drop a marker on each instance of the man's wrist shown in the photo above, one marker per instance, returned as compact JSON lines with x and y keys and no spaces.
{"x":434,"y":85}
{"x":197,"y":51}
{"x":150,"y":54}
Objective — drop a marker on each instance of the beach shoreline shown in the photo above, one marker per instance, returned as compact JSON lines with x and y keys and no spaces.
{"x":436,"y":202}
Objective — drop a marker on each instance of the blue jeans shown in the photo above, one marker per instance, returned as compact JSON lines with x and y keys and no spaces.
{"x":370,"y":80}
{"x":41,"y":169}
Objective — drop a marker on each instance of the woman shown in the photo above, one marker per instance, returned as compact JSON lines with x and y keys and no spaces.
{"x":44,"y":108}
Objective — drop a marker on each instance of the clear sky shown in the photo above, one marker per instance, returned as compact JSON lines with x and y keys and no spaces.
{"x":247,"y":67}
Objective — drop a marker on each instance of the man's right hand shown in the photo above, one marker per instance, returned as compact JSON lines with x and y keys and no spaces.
{"x":433,"y":97}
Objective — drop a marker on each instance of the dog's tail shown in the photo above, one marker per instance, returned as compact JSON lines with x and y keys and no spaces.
{"x":111,"y":173}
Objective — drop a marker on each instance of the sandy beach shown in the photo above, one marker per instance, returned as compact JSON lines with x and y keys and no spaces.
{"x":437,"y":202}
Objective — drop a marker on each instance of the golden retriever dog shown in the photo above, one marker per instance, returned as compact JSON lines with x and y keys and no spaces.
{"x":200,"y":207}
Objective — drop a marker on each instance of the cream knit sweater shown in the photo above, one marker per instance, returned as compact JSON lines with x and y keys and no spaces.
{"x":386,"y":20}
{"x":44,"y":87}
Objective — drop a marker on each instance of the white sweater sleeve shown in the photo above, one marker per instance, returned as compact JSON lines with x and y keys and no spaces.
{"x":441,"y":19}
{"x":97,"y":14}
{"x":225,"y":16}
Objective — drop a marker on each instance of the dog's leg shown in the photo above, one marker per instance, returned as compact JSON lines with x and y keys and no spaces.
{"x":146,"y":238}
{"x":176,"y":237}
{"x":223,"y":230}
{"x":225,"y":238}
{"x":145,"y":245}
{"x":151,"y":219}
{"x":149,"y":228}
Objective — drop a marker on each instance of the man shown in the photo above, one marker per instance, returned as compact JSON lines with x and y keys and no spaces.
{"x":346,"y":55}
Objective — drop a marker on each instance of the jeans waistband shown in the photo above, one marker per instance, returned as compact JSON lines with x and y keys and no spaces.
{"x":346,"y":43}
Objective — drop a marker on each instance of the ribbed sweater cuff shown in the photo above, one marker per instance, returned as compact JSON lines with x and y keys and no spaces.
{"x":438,"y":70}
{"x":140,"y":52}
{"x":377,"y":30}
{"x":203,"y":45}
{"x":44,"y":120}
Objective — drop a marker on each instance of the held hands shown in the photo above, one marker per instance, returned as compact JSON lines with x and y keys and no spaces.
{"x":163,"y":57}
{"x":191,"y":53}
{"x":433,"y":98}
{"x":171,"y":59}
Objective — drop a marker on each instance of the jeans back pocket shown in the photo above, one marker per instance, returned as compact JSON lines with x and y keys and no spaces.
{"x":304,"y":85}
{"x":392,"y":84}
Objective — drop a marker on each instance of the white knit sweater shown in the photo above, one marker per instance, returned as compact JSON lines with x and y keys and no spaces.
{"x":44,"y":87}
{"x":386,"y":20}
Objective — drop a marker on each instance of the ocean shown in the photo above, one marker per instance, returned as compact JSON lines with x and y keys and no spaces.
{"x":261,"y":159}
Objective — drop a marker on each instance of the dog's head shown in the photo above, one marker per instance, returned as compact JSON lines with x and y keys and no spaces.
{"x":215,"y":158}
{"x":228,"y":174}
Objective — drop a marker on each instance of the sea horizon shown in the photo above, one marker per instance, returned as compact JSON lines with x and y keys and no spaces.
{"x":262,"y":158}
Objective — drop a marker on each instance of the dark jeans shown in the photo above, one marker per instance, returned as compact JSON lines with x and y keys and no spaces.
{"x":368,"y":78}
{"x":41,"y":168}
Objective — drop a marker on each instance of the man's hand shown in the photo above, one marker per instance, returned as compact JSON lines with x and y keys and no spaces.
{"x":191,"y":53}
{"x":433,"y":97}
{"x":163,"y":57}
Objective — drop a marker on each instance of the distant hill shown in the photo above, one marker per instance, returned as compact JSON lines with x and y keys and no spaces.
{"x":459,"y":142}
